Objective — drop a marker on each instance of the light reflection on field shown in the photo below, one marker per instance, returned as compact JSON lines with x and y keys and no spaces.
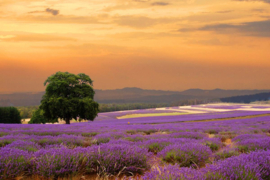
{"x":150,"y":115}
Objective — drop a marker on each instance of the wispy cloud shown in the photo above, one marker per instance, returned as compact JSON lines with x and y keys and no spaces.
{"x":64,"y":19}
{"x":54,"y":12}
{"x":256,"y":28}
{"x":33,"y":37}
{"x":142,"y":21}
{"x":223,"y":12}
{"x":160,"y":4}
{"x":266,"y":1}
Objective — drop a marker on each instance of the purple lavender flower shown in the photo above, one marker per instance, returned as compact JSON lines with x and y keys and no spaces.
{"x":13,"y":162}
{"x":186,"y":155}
{"x":173,"y":172}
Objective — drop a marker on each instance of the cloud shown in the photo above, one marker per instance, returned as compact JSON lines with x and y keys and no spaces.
{"x":34,"y":12}
{"x":34,"y":38}
{"x":52,"y":11}
{"x":160,"y":4}
{"x":141,"y":0}
{"x":48,"y":10}
{"x":142,"y":21}
{"x":266,"y":1}
{"x":223,"y":12}
{"x":256,"y":28}
{"x":259,"y":10}
{"x":64,"y":19}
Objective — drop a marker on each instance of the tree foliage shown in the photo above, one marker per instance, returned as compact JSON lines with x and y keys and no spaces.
{"x":10,"y":115}
{"x":39,"y":118}
{"x":69,"y":96}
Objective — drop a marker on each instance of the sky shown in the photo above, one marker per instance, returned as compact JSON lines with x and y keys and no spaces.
{"x":150,"y":44}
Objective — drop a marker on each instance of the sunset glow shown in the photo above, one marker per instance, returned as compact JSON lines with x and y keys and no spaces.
{"x":168,"y":45}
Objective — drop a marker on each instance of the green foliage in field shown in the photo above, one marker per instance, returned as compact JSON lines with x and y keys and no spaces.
{"x":10,"y":115}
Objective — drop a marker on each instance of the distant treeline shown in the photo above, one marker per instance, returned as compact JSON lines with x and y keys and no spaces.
{"x":247,"y":98}
{"x":27,"y":112}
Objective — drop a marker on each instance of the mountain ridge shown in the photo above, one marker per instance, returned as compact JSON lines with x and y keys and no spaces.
{"x":131,"y":95}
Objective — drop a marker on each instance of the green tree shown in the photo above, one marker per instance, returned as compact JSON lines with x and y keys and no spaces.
{"x":69,"y":96}
{"x":38,"y":118}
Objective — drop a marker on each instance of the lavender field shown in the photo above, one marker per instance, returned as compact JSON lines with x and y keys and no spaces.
{"x":206,"y":142}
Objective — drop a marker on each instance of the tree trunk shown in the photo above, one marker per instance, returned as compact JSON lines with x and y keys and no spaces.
{"x":67,"y":121}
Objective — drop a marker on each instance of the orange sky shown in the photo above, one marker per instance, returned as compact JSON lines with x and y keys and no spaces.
{"x":163,"y":44}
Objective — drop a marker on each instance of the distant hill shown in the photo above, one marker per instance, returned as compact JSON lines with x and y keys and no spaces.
{"x":248,"y":98}
{"x":220,"y":93}
{"x":131,"y":95}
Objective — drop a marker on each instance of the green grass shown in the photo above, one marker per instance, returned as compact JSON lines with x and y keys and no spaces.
{"x":151,"y":115}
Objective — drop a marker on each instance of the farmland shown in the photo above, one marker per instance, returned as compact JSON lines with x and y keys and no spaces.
{"x":212,"y":141}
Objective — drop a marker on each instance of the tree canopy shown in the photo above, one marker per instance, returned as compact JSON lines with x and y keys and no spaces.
{"x":69,"y":96}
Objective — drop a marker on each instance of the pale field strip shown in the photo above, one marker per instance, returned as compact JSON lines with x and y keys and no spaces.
{"x":198,"y":110}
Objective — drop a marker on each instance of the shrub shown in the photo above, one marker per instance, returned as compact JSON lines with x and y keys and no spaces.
{"x":186,"y":155}
{"x":90,"y":134}
{"x":253,"y":166}
{"x":226,"y":135}
{"x":214,"y":143}
{"x":112,"y":159}
{"x":191,"y":135}
{"x":10,"y":115}
{"x":13,"y":162}
{"x":24,"y":145}
{"x":171,"y":172}
{"x":226,"y":154}
{"x":147,"y":132}
{"x":156,"y":145}
{"x":211,"y":131}
{"x":253,"y":144}
{"x":135,"y":138}
{"x":68,"y":140}
{"x":57,"y":162}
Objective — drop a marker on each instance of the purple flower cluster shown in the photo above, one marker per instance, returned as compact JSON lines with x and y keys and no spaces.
{"x":13,"y":162}
{"x":252,"y":142}
{"x":186,"y":155}
{"x":191,"y":135}
{"x":54,"y":163}
{"x":173,"y":172}
{"x":255,"y":165}
{"x":115,"y":158}
{"x":156,"y":145}
{"x":24,"y":145}
{"x":214,"y":143}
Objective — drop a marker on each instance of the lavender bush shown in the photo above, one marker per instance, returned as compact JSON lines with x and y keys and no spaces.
{"x":24,"y":145}
{"x":112,"y":159}
{"x":186,"y":155}
{"x":255,"y":165}
{"x":173,"y":172}
{"x":13,"y":162}
{"x":54,"y":163}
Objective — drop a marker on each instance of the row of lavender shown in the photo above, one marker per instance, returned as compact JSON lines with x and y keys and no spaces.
{"x":128,"y":157}
{"x":199,"y":150}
